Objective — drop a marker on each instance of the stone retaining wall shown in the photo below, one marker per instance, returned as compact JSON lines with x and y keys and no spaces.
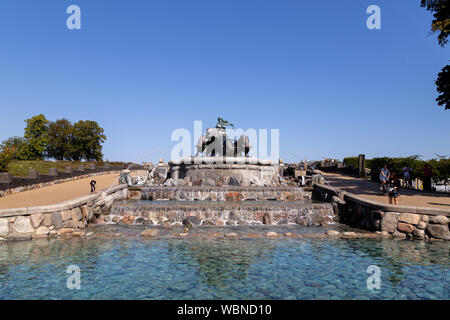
{"x":423,"y":223}
{"x":67,"y":217}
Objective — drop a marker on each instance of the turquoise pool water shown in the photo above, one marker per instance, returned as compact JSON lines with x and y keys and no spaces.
{"x":129,"y":267}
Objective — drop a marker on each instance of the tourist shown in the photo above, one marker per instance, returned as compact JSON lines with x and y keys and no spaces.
{"x":407,"y":175}
{"x":394,"y":189}
{"x":427,"y":172}
{"x":93,"y":182}
{"x":384,"y":176}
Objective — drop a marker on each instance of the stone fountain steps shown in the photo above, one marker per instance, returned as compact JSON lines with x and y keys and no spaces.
{"x":224,"y":193}
{"x":225,"y":213}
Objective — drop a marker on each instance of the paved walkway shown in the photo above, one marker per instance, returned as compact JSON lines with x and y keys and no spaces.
{"x":57,"y":192}
{"x":369,"y":190}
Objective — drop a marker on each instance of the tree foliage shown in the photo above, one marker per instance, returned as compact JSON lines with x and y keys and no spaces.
{"x":443,"y":87}
{"x":440,"y":166}
{"x":36,"y":138}
{"x":87,"y":141}
{"x":16,"y":143}
{"x":60,"y":139}
{"x":6,"y":155}
{"x":441,"y":23}
{"x":441,"y":14}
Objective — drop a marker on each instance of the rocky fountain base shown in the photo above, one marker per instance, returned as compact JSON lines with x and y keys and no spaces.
{"x":222,"y":213}
{"x":224,"y":171}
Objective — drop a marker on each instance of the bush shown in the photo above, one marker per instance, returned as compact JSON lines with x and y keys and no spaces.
{"x":351,"y":161}
{"x":440,"y":170}
{"x":396,"y":165}
{"x":6,"y":155}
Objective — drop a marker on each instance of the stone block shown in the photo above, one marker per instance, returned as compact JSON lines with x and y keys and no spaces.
{"x":405,"y":227}
{"x":33,"y":174}
{"x":399,"y":235}
{"x":67,"y":224}
{"x":6,"y":178}
{"x":410,"y":218}
{"x":56,"y":220}
{"x":52,"y":172}
{"x":91,"y":166}
{"x":47,"y":222}
{"x":418,"y":233}
{"x":76,"y":216}
{"x":4,"y":227}
{"x":36,"y":219}
{"x":23,"y":225}
{"x":80,"y":168}
{"x":333,"y":233}
{"x":389,"y":222}
{"x":66,"y":215}
{"x":421,"y":225}
{"x":438,"y":231}
{"x":439,"y":220}
{"x":68,"y":169}
{"x":84,"y":212}
{"x":41,"y":231}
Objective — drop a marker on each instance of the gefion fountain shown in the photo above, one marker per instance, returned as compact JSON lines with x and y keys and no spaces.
{"x":220,"y":185}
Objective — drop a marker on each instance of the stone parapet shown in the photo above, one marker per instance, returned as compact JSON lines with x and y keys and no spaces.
{"x":411,"y":222}
{"x":62,"y":218}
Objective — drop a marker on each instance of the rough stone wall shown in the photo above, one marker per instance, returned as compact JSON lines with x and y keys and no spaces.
{"x":222,"y":214}
{"x":218,"y":193}
{"x":356,"y":212}
{"x":226,"y":174}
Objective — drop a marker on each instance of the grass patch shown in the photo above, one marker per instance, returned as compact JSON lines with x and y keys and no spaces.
{"x":20,"y":168}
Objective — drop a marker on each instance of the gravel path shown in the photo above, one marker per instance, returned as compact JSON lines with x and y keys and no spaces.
{"x":58,"y":192}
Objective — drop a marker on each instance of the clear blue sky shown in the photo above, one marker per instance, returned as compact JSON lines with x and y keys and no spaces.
{"x":309,"y":68}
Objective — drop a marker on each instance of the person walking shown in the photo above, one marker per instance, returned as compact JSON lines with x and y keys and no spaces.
{"x":92,"y":183}
{"x":427,"y":172}
{"x":384,"y":176}
{"x":394,"y":189}
{"x":407,"y":175}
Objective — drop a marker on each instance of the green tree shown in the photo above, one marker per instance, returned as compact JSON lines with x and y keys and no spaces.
{"x":59,"y":139}
{"x":87,"y":139}
{"x":443,"y":87}
{"x":441,"y":22}
{"x":36,"y":138}
{"x":6,"y":155}
{"x":441,"y":14}
{"x":18,"y":143}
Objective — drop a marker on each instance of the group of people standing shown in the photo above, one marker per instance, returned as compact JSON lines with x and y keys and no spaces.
{"x":390,"y":183}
